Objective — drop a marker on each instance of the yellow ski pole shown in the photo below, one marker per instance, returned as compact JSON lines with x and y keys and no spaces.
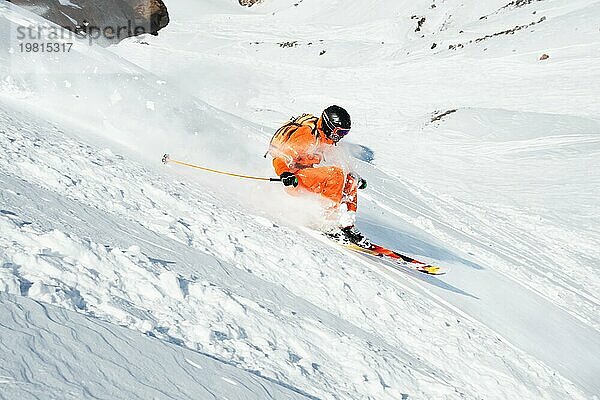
{"x":167,"y":159}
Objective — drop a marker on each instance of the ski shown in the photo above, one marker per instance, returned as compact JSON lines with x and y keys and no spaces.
{"x":382,"y":253}
{"x":397,"y":258}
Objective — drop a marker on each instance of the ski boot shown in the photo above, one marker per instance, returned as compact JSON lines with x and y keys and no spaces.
{"x":354,"y":236}
{"x":349,"y":235}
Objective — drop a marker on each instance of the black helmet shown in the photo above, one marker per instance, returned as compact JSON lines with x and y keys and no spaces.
{"x":336,"y":123}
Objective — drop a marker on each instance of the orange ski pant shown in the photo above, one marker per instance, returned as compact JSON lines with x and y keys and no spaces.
{"x":330,"y":182}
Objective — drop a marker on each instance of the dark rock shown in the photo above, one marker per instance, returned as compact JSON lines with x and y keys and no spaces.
{"x":420,"y":23}
{"x":288,"y":44}
{"x":250,"y":3}
{"x":152,"y":12}
{"x":438,"y":115}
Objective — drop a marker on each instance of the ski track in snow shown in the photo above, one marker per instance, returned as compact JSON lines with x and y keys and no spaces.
{"x":112,"y":239}
{"x":500,"y":252}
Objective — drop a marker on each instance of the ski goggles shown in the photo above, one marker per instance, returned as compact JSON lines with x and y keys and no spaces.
{"x":338,"y":133}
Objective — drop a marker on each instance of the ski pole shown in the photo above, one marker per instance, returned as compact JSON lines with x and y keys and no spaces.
{"x":167,"y":159}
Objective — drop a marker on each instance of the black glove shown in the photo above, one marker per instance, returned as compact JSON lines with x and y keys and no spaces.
{"x":289,"y":179}
{"x":362,"y":183}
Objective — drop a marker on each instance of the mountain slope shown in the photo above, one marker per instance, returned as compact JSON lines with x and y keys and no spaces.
{"x":507,"y":179}
{"x":92,"y":222}
{"x":151,"y":278}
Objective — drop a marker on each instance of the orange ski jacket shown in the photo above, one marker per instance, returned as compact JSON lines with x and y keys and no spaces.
{"x":299,"y":144}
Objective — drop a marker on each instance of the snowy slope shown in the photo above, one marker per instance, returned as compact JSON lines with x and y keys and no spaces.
{"x":91,"y":222}
{"x":510,"y":179}
{"x":71,"y":356}
{"x":67,"y":251}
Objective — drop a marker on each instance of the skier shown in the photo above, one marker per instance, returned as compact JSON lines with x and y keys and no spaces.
{"x":299,"y":145}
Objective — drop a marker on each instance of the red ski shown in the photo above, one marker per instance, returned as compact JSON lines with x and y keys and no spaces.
{"x":400,"y":259}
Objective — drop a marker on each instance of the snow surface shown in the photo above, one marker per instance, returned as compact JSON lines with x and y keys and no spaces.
{"x":70,"y":356}
{"x":503,"y":192}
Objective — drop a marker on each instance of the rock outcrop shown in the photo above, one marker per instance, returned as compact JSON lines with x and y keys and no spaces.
{"x":112,"y":20}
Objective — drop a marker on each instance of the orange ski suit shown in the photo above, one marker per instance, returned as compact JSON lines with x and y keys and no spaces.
{"x":297,"y":147}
